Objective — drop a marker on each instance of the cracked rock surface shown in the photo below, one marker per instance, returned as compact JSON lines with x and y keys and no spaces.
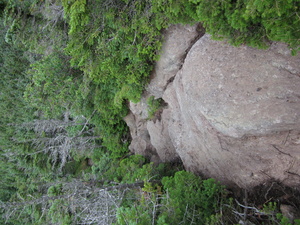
{"x":232,"y":113}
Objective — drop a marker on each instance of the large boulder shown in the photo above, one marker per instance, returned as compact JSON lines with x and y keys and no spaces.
{"x":243,"y":91}
{"x":236,"y":113}
{"x":233,"y":113}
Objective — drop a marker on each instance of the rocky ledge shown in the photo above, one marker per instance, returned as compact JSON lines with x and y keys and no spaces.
{"x":231,"y":113}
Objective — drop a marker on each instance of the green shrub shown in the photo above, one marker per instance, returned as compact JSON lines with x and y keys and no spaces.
{"x":54,"y":84}
{"x":136,"y":215}
{"x":271,"y":209}
{"x":190,"y":198}
{"x":153,"y":106}
{"x":115,"y":45}
{"x":55,"y":190}
{"x":254,"y":23}
{"x":186,"y":199}
{"x":58,"y":213}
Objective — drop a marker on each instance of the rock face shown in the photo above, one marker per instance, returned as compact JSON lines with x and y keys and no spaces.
{"x":177,"y":41}
{"x":242,"y":91}
{"x":232,"y":114}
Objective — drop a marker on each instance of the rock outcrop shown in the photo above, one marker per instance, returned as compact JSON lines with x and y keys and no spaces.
{"x":232,"y":113}
{"x":178,"y":40}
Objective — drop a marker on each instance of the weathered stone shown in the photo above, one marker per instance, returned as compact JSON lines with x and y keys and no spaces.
{"x":233,"y":113}
{"x":243,"y":91}
{"x":177,"y":40}
{"x":235,"y":116}
{"x":160,"y":139}
{"x":140,"y":109}
{"x":140,"y":143}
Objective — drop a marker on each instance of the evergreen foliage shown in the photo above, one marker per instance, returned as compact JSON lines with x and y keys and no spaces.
{"x":186,"y":199}
{"x":114,"y":44}
{"x":191,"y":199}
{"x":53,"y":85}
{"x":254,"y":23}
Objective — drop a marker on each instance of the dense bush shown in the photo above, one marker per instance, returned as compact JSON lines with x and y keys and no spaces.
{"x":53,"y":86}
{"x":186,"y":199}
{"x":191,"y":199}
{"x":114,"y":44}
{"x":253,"y":22}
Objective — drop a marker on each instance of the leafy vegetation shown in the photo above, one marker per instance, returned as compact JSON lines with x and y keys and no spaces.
{"x":185,"y":199}
{"x":254,"y":23}
{"x":153,"y":106}
{"x":68,"y":70}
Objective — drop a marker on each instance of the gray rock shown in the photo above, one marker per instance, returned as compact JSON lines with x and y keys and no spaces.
{"x":233,"y":113}
{"x":236,"y":116}
{"x":160,"y":139}
{"x":140,"y":143}
{"x":243,"y":91}
{"x":177,"y":40}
